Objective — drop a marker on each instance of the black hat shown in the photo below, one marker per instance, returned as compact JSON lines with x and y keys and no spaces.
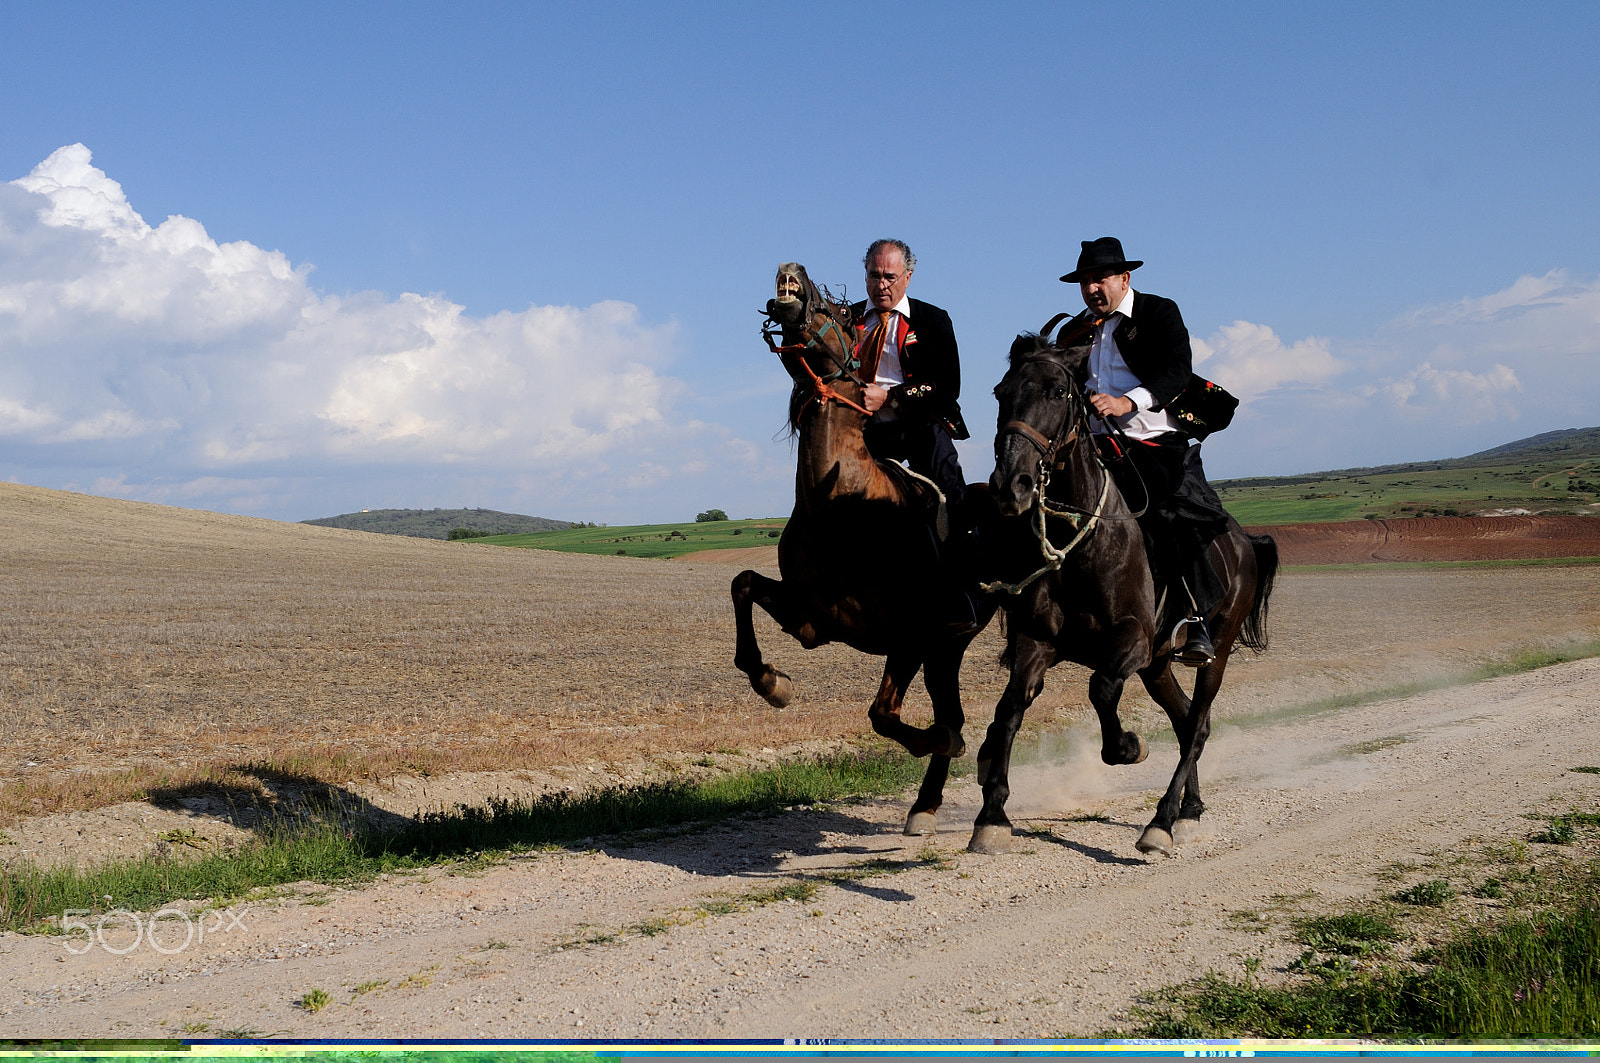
{"x":1101,"y":256}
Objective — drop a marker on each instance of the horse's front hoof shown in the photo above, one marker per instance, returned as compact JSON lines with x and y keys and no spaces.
{"x":1187,"y":831}
{"x":991,"y":840}
{"x":1132,"y":751}
{"x":776,"y":688}
{"x":1155,"y":840}
{"x":919,"y":824}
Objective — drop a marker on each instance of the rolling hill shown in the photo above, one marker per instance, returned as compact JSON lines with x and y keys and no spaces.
{"x":437,"y":523}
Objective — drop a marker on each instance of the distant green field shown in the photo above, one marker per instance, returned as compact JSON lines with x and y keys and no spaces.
{"x":1557,"y":472}
{"x":1540,"y":479}
{"x":649,"y":540}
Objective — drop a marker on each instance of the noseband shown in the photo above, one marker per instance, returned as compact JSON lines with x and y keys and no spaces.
{"x":1047,"y":447}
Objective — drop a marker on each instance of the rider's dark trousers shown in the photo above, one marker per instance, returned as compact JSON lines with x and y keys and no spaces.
{"x":925,"y":445}
{"x":1182,"y":516}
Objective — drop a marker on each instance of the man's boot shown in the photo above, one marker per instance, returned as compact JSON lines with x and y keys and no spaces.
{"x":1197,"y":651}
{"x":957,"y":615}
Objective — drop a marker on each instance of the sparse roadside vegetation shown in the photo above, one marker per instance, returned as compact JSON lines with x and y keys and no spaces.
{"x":1513,"y":954}
{"x":313,"y":1000}
{"x":334,"y":850}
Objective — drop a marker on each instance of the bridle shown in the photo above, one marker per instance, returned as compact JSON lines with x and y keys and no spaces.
{"x":1082,"y":521}
{"x":813,"y":339}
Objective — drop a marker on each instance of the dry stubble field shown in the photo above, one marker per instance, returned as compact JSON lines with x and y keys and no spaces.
{"x":142,"y":644}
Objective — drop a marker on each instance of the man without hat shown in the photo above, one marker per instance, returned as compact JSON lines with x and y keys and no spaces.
{"x":1139,"y":362}
{"x":912,"y":371}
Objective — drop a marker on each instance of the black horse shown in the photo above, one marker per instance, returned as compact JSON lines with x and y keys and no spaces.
{"x":1082,"y":591}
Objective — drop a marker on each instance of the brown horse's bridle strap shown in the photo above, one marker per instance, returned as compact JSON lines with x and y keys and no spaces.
{"x":825,"y":391}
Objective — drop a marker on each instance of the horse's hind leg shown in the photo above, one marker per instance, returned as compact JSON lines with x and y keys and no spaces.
{"x":884,"y":713}
{"x":1177,"y":817}
{"x":942,"y":676}
{"x":751,"y":587}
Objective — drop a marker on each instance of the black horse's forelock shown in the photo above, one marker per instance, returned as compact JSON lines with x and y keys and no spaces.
{"x":1028,"y":345}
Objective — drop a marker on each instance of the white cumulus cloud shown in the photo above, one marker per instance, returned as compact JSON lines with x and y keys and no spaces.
{"x":1250,"y":360}
{"x":152,"y":357}
{"x":1435,"y":382}
{"x":1468,"y":396}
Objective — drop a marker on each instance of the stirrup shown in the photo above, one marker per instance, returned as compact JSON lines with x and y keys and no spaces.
{"x":1197,"y":651}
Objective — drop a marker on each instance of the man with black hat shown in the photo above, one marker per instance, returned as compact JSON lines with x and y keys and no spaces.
{"x":1139,"y":362}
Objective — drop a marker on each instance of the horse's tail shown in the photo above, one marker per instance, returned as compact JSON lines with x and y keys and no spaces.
{"x":1254,"y":633}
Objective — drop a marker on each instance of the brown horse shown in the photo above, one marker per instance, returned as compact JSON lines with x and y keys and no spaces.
{"x":860,"y":558}
{"x":1082,"y":591}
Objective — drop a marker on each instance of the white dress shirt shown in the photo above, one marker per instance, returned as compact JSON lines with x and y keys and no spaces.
{"x":889,"y":372}
{"x":1110,"y":375}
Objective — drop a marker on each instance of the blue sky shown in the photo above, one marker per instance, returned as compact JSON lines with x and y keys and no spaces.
{"x":511,"y":255}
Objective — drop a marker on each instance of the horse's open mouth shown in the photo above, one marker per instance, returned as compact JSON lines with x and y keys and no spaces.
{"x":790,"y":289}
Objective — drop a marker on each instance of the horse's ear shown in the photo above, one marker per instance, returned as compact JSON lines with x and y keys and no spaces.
{"x":1074,"y":358}
{"x":1025,"y":344}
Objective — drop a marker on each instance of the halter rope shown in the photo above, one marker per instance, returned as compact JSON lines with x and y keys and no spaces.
{"x":823,"y":385}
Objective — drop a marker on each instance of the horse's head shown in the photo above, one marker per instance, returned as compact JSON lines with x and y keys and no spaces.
{"x":1042,"y":411}
{"x":817,"y":349}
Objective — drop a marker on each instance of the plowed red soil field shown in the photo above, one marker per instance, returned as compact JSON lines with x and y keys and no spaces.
{"x":1436,"y":539}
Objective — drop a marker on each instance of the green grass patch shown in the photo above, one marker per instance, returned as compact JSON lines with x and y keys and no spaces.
{"x":1528,"y":977}
{"x":332,"y":853}
{"x":1351,"y":934}
{"x":1563,"y":830}
{"x":314,"y":1000}
{"x":1532,"y":970}
{"x":1519,"y":661}
{"x":1541,"y":657}
{"x":1431,"y":894}
{"x":650,"y":540}
{"x":1588,"y":769}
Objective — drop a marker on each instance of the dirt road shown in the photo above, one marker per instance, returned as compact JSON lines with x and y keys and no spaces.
{"x":1056,"y":941}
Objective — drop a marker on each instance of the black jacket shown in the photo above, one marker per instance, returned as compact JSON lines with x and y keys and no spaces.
{"x":930,"y":359}
{"x":1155,"y":344}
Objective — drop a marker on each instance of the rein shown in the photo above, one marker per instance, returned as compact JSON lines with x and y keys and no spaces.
{"x":813,"y":338}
